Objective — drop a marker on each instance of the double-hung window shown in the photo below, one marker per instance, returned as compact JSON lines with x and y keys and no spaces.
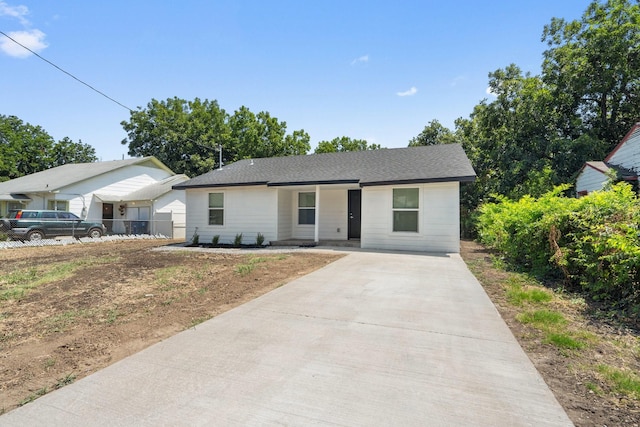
{"x":216,"y":208}
{"x":307,"y":208}
{"x":58,"y":205}
{"x":406,"y":205}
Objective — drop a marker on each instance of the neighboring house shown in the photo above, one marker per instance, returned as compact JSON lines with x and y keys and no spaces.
{"x":132,"y":196}
{"x":623,"y":161}
{"x":404,"y":198}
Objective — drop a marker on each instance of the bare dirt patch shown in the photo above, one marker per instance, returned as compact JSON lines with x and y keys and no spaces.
{"x":572,"y":375}
{"x":66,"y":312}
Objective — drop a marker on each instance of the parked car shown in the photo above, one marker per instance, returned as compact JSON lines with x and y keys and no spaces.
{"x":40,"y":224}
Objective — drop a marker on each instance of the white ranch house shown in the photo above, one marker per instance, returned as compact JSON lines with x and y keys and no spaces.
{"x":624,"y":161}
{"x":131,"y":196}
{"x":397,"y":199}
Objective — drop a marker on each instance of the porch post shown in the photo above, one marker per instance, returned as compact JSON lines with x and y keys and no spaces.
{"x":316,"y":232}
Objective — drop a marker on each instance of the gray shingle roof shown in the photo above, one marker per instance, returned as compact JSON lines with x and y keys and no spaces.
{"x":65,"y":175}
{"x":435,"y":163}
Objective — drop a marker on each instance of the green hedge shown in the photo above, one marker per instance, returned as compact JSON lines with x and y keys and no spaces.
{"x":593,"y":241}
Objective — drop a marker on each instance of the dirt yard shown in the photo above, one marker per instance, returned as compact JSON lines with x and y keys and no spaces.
{"x":66,"y":312}
{"x":572,"y":375}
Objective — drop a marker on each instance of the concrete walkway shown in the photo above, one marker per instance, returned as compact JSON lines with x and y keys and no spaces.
{"x":374,"y":339}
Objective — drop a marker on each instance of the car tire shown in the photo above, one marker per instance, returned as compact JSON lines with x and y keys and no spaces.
{"x":95,"y":233}
{"x":35,"y":235}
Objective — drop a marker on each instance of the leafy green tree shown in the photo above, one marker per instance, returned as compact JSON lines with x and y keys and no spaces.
{"x":514,"y":143}
{"x":184,"y":135}
{"x":66,"y":151}
{"x":25,"y":149}
{"x":261,"y":135}
{"x":593,"y":69}
{"x":345,"y":143}
{"x":432,"y":134}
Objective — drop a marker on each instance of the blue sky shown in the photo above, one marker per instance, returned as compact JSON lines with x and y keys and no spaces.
{"x":376,"y":70}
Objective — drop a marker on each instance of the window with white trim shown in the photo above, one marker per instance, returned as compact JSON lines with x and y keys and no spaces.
{"x":58,"y":205}
{"x":307,"y":208}
{"x":406,"y":205}
{"x":216,"y":208}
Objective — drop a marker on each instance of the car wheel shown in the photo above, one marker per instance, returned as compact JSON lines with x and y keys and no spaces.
{"x":95,"y":233}
{"x":35,"y":235}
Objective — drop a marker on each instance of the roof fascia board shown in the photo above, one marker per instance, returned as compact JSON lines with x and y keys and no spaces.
{"x":470,"y":178}
{"x":321,"y":182}
{"x":239,"y":184}
{"x":621,"y":143}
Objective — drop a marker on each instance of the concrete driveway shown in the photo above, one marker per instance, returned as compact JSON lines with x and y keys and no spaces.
{"x":374,"y":339}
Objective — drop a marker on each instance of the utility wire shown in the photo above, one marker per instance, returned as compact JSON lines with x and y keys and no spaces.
{"x":66,"y":72}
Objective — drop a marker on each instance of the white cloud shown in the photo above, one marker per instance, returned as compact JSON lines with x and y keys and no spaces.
{"x":490,"y":92}
{"x":18,"y":12}
{"x":361,"y":59}
{"x":33,"y":39}
{"x":409,"y":92}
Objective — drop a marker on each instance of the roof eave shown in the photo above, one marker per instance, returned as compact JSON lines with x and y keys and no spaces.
{"x":318,"y":182}
{"x":218,"y":185}
{"x":466,"y":178}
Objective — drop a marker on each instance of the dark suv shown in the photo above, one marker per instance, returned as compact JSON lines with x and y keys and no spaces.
{"x":40,"y":224}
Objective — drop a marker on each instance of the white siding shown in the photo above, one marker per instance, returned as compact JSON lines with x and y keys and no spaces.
{"x":285,"y":217}
{"x":438,"y":219}
{"x":590,"y":179}
{"x":304,"y":231}
{"x":247,"y":210}
{"x":173,"y":203}
{"x":333,"y":214}
{"x":118,"y":182}
{"x":628,"y":154}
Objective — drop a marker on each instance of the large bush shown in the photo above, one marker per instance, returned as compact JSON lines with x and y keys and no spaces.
{"x":594,"y":241}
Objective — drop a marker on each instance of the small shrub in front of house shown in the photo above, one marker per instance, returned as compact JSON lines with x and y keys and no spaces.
{"x":260,"y":239}
{"x":215,"y":240}
{"x":237,"y":241}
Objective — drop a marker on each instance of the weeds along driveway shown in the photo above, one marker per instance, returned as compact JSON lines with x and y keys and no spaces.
{"x":371,"y":339}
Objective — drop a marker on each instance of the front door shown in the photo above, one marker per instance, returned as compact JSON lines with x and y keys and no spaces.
{"x":107,"y":216}
{"x":354,"y":214}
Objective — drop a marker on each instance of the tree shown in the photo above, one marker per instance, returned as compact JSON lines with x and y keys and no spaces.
{"x":593,"y":68}
{"x":433,"y":133}
{"x":25,"y":149}
{"x":345,"y":143}
{"x":185,"y":135}
{"x":514,"y":143}
{"x":261,"y":135}
{"x":66,"y":151}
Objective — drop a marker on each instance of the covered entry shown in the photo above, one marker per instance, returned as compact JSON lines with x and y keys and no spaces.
{"x":319,"y":213}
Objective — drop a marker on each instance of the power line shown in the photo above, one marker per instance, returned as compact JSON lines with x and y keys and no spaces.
{"x":66,"y":72}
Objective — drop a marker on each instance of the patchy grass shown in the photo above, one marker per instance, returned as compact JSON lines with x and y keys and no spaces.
{"x":621,"y":381}
{"x":16,"y":284}
{"x":61,"y":322}
{"x":252,"y":261}
{"x":590,"y":359}
{"x":79,"y":308}
{"x":542,"y":319}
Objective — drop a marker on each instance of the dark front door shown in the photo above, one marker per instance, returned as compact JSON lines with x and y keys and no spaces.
{"x":107,"y":215}
{"x":354,"y":214}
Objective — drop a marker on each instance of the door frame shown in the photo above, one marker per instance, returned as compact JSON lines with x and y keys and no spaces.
{"x":354,"y":214}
